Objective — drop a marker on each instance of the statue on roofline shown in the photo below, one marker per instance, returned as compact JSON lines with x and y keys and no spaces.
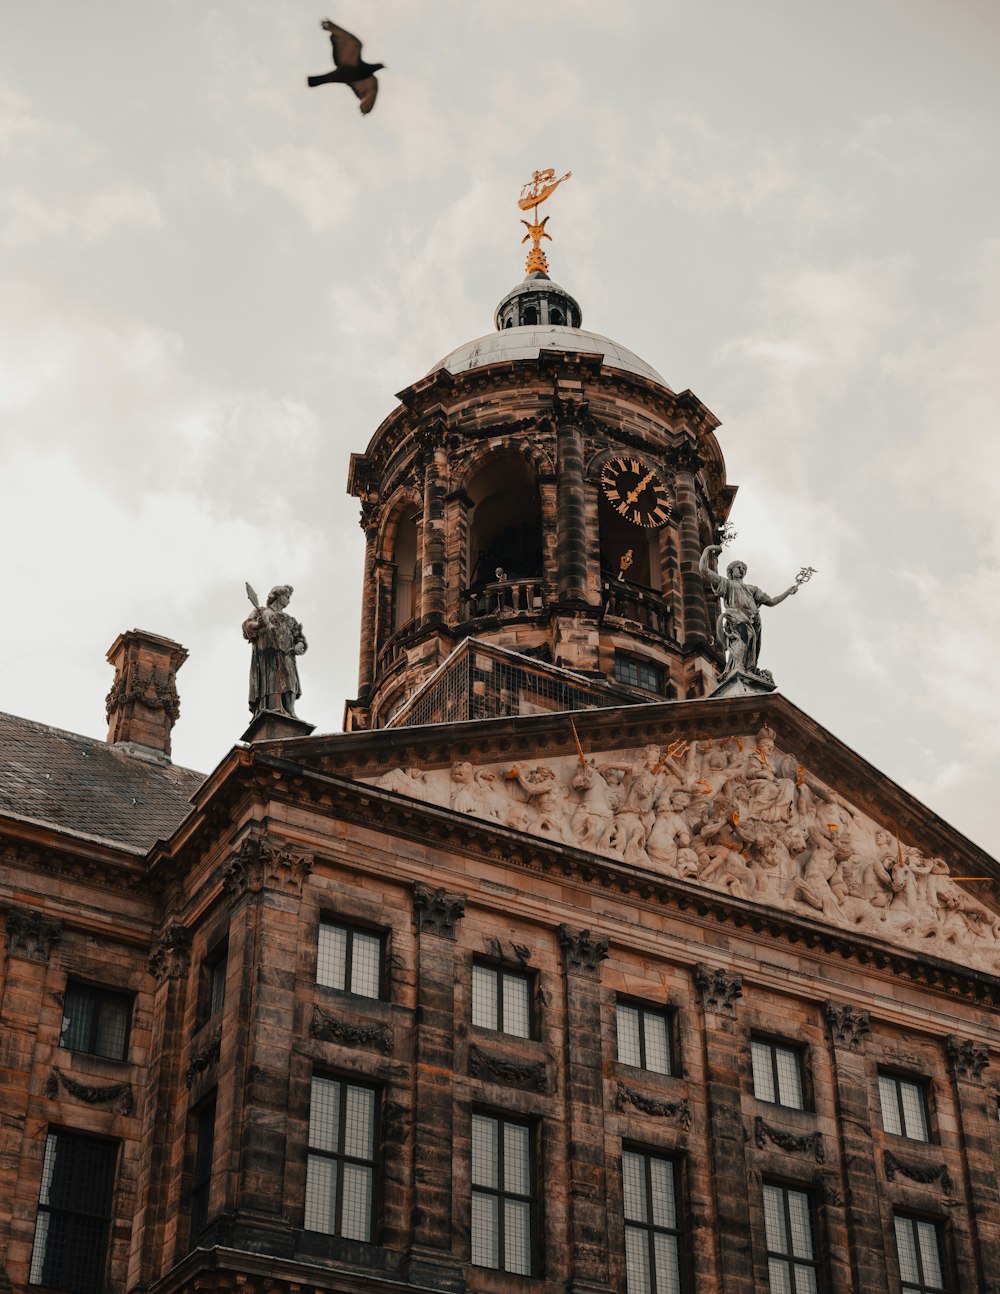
{"x":277,"y":639}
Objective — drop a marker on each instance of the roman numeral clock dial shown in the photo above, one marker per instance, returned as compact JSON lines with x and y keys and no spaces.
{"x":636,"y":491}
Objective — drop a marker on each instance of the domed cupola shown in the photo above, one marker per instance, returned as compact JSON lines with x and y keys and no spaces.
{"x":542,"y":491}
{"x":538,"y":301}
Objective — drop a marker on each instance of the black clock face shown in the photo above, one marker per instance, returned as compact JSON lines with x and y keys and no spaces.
{"x":636,"y":490}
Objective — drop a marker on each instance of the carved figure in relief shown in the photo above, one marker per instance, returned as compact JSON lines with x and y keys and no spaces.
{"x":771,"y":796}
{"x":671,"y":836}
{"x":595,"y":813}
{"x":413,"y":782}
{"x":546,"y":796}
{"x":277,"y":639}
{"x":738,"y":625}
{"x":820,"y":884}
{"x":464,"y":792}
{"x":721,"y":842}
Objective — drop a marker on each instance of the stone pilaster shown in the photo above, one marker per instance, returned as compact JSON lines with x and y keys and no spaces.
{"x":571,"y":528}
{"x":433,"y":1258}
{"x":366,"y":660}
{"x":586,"y":1164}
{"x":977,"y":1111}
{"x":694,"y":621}
{"x":432,"y":586}
{"x":719,"y":991}
{"x":848,"y":1027}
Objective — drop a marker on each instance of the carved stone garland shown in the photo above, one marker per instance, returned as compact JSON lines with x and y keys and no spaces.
{"x":923,"y":1173}
{"x":483,"y":1064}
{"x":331,"y":1029}
{"x":811,"y":1142}
{"x":679,"y":1110}
{"x":119,"y":1093}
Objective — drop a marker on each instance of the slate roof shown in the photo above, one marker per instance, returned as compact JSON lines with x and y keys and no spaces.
{"x":85,"y":787}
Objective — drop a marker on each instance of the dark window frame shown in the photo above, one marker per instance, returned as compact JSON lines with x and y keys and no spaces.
{"x":202,"y":1165}
{"x":922,"y":1086}
{"x":98,"y":993}
{"x":55,"y":1266}
{"x":649,"y":1154}
{"x":636,"y":664}
{"x":789,"y":1258}
{"x":501,"y":972}
{"x":212,"y":989}
{"x":341,"y":1157}
{"x":501,"y":1194}
{"x":775,"y":1044}
{"x":668,"y":1015}
{"x":352,"y":928}
{"x":921,"y":1287}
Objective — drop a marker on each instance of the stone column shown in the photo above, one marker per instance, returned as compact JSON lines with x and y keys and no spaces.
{"x":571,"y":528}
{"x":30,"y":938}
{"x":433,"y":1260}
{"x":848,"y":1026}
{"x":719,"y":992}
{"x":366,"y":660}
{"x":586,"y":1165}
{"x":382,"y":610}
{"x":164,"y":1114}
{"x":432,"y":558}
{"x":694,"y":624}
{"x":977,"y":1111}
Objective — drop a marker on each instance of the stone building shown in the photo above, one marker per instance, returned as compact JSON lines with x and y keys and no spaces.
{"x":559,"y":970}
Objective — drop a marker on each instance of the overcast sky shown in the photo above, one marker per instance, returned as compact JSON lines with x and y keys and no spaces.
{"x":214,"y":280}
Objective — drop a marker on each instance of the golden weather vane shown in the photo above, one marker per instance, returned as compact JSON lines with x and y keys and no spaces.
{"x":542,"y":185}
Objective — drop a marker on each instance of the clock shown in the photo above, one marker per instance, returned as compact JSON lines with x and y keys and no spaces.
{"x":636,"y":491}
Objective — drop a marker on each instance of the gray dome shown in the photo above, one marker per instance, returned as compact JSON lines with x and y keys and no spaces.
{"x":525,"y":343}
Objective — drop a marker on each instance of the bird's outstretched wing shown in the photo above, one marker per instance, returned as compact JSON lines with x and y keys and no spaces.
{"x":346,"y":48}
{"x":366,"y":91}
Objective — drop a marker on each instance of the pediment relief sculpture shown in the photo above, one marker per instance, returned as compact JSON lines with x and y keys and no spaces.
{"x":735,"y":815}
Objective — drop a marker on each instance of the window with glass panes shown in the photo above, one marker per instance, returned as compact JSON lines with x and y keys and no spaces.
{"x":792,"y":1262}
{"x":777,"y":1073}
{"x":342,"y":1162}
{"x":96,"y":1020}
{"x":904,"y":1106}
{"x":214,"y":982}
{"x":201,"y":1174}
{"x":503,"y":1199}
{"x":652,"y":1224}
{"x":644,"y":1037}
{"x":638,"y":673}
{"x":920,"y":1250}
{"x":74,"y":1213}
{"x":501,"y":1000}
{"x":349,"y":959}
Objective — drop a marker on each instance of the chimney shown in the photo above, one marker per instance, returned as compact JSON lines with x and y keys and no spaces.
{"x":143,"y":704}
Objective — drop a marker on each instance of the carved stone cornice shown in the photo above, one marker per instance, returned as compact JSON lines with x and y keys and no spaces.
{"x":262,"y":864}
{"x":679,"y":1110}
{"x":482,"y":1064}
{"x":208,"y":1055}
{"x":437,"y":911}
{"x":30,"y":935}
{"x":583,"y":952}
{"x":808,"y":1142}
{"x":848,"y":1025}
{"x":171,"y":953}
{"x":329,"y":1028}
{"x":119,"y":1093}
{"x":916,"y":1172}
{"x":717,"y":988}
{"x":966,"y":1059}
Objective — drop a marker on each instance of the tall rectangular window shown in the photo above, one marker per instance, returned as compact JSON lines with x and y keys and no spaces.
{"x":201,"y":1176}
{"x":340,"y":1171}
{"x":777,"y":1073}
{"x":644,"y":1038}
{"x":652,"y":1224}
{"x":501,"y":1000}
{"x":74,"y":1213}
{"x":904,"y":1107}
{"x":920,"y":1249}
{"x":502,"y":1194}
{"x":349,"y":959}
{"x":96,"y":1021}
{"x":792,"y":1263}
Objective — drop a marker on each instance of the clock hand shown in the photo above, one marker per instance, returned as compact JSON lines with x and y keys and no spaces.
{"x":634,"y":494}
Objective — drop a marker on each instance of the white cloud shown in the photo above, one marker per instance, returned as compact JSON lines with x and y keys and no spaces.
{"x":313,"y":181}
{"x":31,"y":218}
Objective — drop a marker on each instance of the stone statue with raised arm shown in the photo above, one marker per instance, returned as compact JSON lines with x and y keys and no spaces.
{"x":738,"y":625}
{"x":277,"y":639}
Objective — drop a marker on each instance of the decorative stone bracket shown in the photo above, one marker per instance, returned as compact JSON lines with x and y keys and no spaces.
{"x":208,"y":1055}
{"x":718,"y":989}
{"x":329,"y":1029}
{"x":171,"y":953}
{"x":258,"y":864}
{"x":503,"y":1070}
{"x":679,"y":1110}
{"x":796,"y":1144}
{"x":848,"y":1025}
{"x":966,"y":1058}
{"x":582,"y":951}
{"x":119,"y":1093}
{"x":437,"y":911}
{"x":29,"y":935}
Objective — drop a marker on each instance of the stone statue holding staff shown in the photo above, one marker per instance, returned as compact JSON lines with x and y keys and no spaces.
{"x":276,"y":638}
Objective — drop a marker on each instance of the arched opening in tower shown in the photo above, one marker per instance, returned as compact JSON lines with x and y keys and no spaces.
{"x":406,"y":570}
{"x":623,"y":544}
{"x":505,"y":522}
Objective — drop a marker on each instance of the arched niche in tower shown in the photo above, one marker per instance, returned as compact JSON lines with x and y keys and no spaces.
{"x":401,"y":548}
{"x":618,"y":537}
{"x":505,"y":521}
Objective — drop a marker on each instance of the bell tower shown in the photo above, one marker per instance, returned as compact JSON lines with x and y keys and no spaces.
{"x":544,"y":490}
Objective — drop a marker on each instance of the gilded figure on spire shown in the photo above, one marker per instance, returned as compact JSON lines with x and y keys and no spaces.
{"x":541,"y":186}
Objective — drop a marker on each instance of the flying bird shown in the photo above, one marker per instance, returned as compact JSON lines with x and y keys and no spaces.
{"x":350,"y":69}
